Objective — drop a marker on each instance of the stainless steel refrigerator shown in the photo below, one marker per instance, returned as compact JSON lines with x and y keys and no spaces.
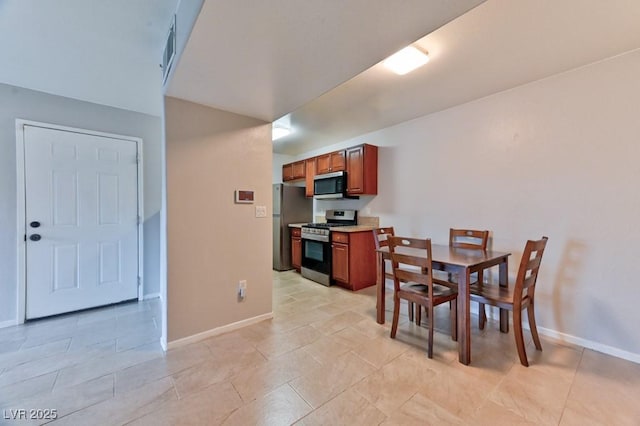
{"x":289,"y":206}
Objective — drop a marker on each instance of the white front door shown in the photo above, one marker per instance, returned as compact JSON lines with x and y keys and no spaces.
{"x":81,"y":217}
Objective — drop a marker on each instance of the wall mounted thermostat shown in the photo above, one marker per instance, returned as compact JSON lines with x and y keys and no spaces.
{"x":244,"y":197}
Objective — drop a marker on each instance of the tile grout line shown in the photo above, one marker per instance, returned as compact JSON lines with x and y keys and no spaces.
{"x":95,"y":403}
{"x":175,"y":388}
{"x":573,"y":380}
{"x":55,"y":381}
{"x":237,"y":408}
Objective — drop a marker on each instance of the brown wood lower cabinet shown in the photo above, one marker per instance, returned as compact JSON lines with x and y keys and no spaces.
{"x":353,"y":259}
{"x":296,"y":248}
{"x":340,"y":262}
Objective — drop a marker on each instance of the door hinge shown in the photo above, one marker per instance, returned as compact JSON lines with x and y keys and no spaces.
{"x":139,"y":220}
{"x":139,"y":281}
{"x":137,"y":157}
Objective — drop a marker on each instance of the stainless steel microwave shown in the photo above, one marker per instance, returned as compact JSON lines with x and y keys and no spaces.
{"x":330,"y":185}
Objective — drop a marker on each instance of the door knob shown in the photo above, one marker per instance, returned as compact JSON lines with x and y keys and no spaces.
{"x":35,"y":224}
{"x":35,"y":237}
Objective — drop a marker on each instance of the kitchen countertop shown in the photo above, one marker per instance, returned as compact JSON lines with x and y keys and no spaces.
{"x":356,"y":228}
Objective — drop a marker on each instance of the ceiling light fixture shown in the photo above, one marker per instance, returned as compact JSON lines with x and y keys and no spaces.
{"x":406,"y":60}
{"x":278,"y":132}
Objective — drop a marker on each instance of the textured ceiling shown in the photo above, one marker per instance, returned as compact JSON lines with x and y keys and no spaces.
{"x":266,"y":58}
{"x":316,"y":62}
{"x":494,"y":47}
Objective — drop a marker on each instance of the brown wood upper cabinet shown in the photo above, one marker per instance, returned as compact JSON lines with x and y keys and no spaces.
{"x":360,"y":163}
{"x":294,"y":171}
{"x":287,"y":172}
{"x":310,"y":166}
{"x":362,"y":170}
{"x":331,"y":162}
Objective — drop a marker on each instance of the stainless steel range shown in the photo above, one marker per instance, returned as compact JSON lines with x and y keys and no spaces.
{"x":316,"y":244}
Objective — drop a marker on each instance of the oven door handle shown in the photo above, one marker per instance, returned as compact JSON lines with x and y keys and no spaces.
{"x":312,"y":237}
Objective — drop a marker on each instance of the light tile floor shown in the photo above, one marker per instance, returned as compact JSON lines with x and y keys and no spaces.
{"x":322,"y":360}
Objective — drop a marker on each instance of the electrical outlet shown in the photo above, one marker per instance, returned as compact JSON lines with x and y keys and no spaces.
{"x":242,"y":289}
{"x":261,"y":211}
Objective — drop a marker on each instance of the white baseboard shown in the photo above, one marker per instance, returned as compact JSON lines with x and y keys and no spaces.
{"x":568,"y":338}
{"x":589,"y":344}
{"x":10,"y":323}
{"x":163,"y":343}
{"x":218,"y":330}
{"x":151,"y":296}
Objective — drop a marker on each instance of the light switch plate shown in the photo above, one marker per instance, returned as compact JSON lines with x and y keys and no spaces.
{"x":261,"y":211}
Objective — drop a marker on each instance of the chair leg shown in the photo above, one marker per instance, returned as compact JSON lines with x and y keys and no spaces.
{"x":431,"y":321}
{"x":396,"y":314}
{"x":454,"y":320}
{"x":410,"y":307}
{"x":418,"y":315}
{"x":532,"y":325}
{"x":517,"y":326}
{"x":482,"y":316}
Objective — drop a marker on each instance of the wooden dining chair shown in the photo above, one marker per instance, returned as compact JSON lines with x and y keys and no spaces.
{"x":380,"y":236}
{"x":470,"y":239}
{"x":411,"y":264}
{"x":519,"y":296}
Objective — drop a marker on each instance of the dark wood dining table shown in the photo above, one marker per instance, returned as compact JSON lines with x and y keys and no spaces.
{"x":463,"y":263}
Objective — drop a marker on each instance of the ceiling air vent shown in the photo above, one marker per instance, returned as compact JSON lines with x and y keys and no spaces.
{"x":169,"y":51}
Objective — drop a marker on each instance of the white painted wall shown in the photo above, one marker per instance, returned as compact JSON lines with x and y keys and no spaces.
{"x":212,"y":242}
{"x":556,"y":157}
{"x":27,"y":104}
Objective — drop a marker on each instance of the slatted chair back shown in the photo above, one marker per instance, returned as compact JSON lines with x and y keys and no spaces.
{"x":468,"y":238}
{"x":411,"y":266}
{"x":380,"y":236}
{"x":525,"y":285}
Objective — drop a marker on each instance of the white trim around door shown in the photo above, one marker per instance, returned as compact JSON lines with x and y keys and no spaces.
{"x":21,"y":207}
